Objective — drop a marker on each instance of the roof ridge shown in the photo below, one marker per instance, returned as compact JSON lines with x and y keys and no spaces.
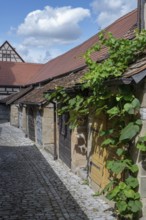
{"x":21,"y":63}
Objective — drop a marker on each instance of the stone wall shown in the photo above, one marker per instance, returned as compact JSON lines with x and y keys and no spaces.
{"x":48,"y":128}
{"x":79,"y":150}
{"x":14,"y":115}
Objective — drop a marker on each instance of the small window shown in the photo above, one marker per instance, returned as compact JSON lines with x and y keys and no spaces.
{"x":63,"y":124}
{"x":6,"y":55}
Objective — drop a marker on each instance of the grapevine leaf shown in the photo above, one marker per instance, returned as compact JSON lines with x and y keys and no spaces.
{"x":135,"y":205}
{"x":138,"y":122}
{"x":129,"y":193}
{"x":129,"y":131}
{"x":129,"y":108}
{"x":132,"y":182}
{"x":136,"y":103}
{"x":120,"y":152}
{"x":134,"y":168}
{"x":108,"y":141}
{"x":116,"y":166}
{"x":141,"y":146}
{"x":122,"y":206}
{"x":113,"y":111}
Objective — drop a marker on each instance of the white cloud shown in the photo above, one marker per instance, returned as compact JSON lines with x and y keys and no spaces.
{"x":45,"y":42}
{"x":37,"y":55}
{"x":45,"y":30}
{"x":108,"y":11}
{"x":52,"y":25}
{"x":23,"y":50}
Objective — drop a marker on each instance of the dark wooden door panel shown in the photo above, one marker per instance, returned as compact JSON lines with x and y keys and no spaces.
{"x":65,"y":140}
{"x":31,"y":125}
{"x":39,"y":127}
{"x":4,"y":113}
{"x":20,"y":117}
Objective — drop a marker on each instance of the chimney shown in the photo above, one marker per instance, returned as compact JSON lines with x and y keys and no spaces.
{"x":141,"y":14}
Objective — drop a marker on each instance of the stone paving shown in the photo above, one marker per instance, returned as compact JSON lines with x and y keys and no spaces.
{"x":35,"y":187}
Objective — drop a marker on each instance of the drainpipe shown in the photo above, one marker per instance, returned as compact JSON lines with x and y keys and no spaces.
{"x":141,"y":14}
{"x":55,"y":130}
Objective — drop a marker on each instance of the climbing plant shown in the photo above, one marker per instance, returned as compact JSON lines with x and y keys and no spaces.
{"x":119,"y":104}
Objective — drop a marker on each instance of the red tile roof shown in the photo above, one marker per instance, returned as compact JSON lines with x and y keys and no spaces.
{"x":18,"y":95}
{"x":17,"y":73}
{"x":73,"y":59}
{"x":6,"y":99}
{"x":136,"y":67}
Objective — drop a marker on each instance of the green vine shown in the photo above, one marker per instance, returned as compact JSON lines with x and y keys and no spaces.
{"x":121,"y":106}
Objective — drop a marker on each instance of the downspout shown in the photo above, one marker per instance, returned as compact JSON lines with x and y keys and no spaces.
{"x":55,"y":130}
{"x":141,"y":14}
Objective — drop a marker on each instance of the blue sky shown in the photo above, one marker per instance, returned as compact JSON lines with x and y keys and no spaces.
{"x":43,"y":29}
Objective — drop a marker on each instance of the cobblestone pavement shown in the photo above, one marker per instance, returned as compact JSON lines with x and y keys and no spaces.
{"x":35,"y":187}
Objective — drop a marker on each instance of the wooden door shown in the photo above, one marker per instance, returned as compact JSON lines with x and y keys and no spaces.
{"x":31,"y":124}
{"x":4,"y":113}
{"x":39,"y":127}
{"x":97,"y":170}
{"x":20,"y":117}
{"x":65,"y":140}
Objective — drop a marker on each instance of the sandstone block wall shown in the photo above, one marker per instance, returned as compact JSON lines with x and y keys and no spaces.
{"x":48,"y":128}
{"x":14,"y":115}
{"x":79,"y":148}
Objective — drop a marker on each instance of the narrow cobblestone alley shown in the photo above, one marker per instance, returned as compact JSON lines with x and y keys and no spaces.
{"x":35,"y":187}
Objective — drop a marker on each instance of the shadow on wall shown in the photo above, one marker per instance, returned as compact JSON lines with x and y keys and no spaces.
{"x":7,"y":76}
{"x":7,"y":79}
{"x":4,"y":113}
{"x":30,"y":189}
{"x":81,"y":146}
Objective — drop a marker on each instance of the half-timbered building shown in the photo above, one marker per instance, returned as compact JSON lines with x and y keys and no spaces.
{"x":9,"y":54}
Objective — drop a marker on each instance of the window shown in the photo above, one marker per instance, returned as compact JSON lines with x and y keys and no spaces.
{"x":6,"y":55}
{"x":63,"y":124}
